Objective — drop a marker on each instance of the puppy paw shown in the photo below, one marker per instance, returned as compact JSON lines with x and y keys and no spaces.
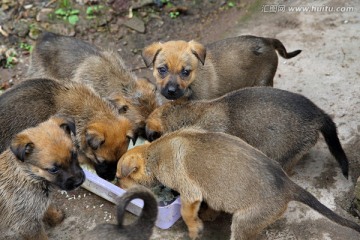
{"x":54,"y":216}
{"x":196,"y":230}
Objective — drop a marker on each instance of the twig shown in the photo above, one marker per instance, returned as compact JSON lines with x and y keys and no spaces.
{"x":3,"y":32}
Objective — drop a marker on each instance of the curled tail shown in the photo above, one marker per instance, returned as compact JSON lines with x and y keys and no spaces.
{"x":303,"y":196}
{"x":282,"y":50}
{"x":328,"y":130}
{"x":147,"y":218}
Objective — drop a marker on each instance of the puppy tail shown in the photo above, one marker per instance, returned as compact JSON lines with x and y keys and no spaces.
{"x":303,"y":196}
{"x":147,"y":218}
{"x":282,"y":50}
{"x":328,"y":130}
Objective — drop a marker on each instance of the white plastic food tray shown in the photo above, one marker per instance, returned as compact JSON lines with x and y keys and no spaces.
{"x":167,"y":215}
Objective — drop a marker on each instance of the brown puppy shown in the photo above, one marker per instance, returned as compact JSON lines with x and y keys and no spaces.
{"x":102,"y":135}
{"x":193,"y":70}
{"x":226,"y":173}
{"x":38,"y":159}
{"x":281,"y":124}
{"x":141,"y":229}
{"x":69,"y":59}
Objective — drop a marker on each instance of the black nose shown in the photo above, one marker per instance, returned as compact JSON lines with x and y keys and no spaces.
{"x":152,"y":135}
{"x":171,"y":90}
{"x":74,"y":182}
{"x":106,"y":170}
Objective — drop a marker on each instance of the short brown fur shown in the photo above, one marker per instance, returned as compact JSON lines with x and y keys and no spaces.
{"x":102,"y":134}
{"x":189,"y":69}
{"x":219,"y":169}
{"x":26,"y":180}
{"x":281,"y":124}
{"x":70,"y":59}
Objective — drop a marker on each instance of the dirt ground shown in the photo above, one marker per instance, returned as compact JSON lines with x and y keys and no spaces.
{"x":326,"y":72}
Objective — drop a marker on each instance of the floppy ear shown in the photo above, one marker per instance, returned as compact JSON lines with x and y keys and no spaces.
{"x":150,"y":52}
{"x":198,"y":50}
{"x":94,"y":139}
{"x":21,"y":146}
{"x":126,"y":170}
{"x":66,"y":123}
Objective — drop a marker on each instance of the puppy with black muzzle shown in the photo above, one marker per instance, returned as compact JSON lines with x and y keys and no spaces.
{"x":102,"y":134}
{"x":141,"y":229}
{"x":39,"y":159}
{"x":225,"y":172}
{"x":281,"y":124}
{"x":195,"y":71}
{"x":68,"y":59}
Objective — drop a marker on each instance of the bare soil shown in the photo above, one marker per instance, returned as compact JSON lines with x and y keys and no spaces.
{"x":326,"y":72}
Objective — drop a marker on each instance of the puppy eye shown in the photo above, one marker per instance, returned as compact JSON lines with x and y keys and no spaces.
{"x":162,"y":70}
{"x":53,"y":170}
{"x":185,"y":73}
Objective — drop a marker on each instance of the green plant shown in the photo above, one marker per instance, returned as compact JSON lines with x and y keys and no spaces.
{"x":26,"y":46}
{"x":174,"y":15}
{"x":231,"y":4}
{"x":10,"y":60}
{"x":92,"y":11}
{"x":67,"y":13}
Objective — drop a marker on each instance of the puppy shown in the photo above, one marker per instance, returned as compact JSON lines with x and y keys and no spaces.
{"x":192,"y":70}
{"x":281,"y":124}
{"x":39,"y":159}
{"x":219,"y":169}
{"x":70,"y":59}
{"x":102,"y":134}
{"x":141,"y":229}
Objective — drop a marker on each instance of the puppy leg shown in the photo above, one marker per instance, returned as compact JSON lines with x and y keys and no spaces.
{"x":37,"y":232}
{"x":189,"y":213}
{"x":248,"y":223}
{"x":53,"y":216}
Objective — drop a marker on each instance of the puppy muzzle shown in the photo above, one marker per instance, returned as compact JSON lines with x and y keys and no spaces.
{"x":152,"y":135}
{"x":172,"y":91}
{"x":106,"y":170}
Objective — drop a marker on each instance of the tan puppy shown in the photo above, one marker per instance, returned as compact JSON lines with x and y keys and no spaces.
{"x":38,"y":159}
{"x":281,"y":124}
{"x":192,"y":70}
{"x":141,"y":229}
{"x":219,"y":169}
{"x":102,"y":135}
{"x":70,"y":59}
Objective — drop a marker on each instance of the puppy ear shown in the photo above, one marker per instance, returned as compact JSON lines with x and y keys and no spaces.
{"x":126,"y":170}
{"x":66,"y":123}
{"x":21,"y":146}
{"x":198,"y":50}
{"x":94,"y":139}
{"x":150,"y":52}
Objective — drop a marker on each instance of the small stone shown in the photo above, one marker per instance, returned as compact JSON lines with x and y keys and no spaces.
{"x":43,"y":15}
{"x":136,"y":24}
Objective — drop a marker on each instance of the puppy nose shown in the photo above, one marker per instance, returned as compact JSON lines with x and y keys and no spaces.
{"x":171,"y":90}
{"x":152,"y":135}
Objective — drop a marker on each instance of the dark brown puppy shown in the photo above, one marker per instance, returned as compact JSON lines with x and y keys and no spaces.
{"x":281,"y":124}
{"x":198,"y":72}
{"x":38,"y":159}
{"x":71,"y":59}
{"x":226,"y":173}
{"x":102,"y":135}
{"x":141,"y":229}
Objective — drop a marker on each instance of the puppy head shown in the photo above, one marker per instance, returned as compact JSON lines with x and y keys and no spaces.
{"x":47,"y":150}
{"x":131,"y":169}
{"x":175,"y":64}
{"x":104,"y":141}
{"x":154,"y":127}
